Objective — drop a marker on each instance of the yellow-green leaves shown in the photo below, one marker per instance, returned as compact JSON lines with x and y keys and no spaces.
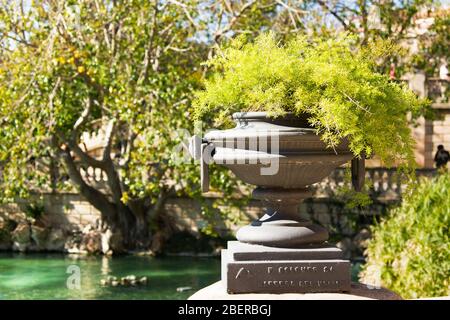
{"x":330,"y":79}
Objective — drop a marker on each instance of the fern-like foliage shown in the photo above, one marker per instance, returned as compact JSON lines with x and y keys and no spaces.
{"x":329,"y":80}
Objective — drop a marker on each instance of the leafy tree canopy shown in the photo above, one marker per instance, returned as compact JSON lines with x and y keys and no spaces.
{"x":125,"y":69}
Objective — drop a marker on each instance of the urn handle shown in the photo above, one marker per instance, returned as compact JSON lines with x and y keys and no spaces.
{"x":195,"y":143}
{"x":201,"y":149}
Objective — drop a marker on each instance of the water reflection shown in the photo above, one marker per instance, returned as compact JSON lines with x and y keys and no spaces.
{"x":44,"y":276}
{"x":105,"y":266}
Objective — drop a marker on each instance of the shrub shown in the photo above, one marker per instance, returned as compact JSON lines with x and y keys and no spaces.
{"x":410,"y":249}
{"x":34,"y":210}
{"x":329,"y":80}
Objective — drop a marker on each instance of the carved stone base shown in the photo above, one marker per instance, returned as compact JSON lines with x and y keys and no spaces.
{"x":281,"y":226}
{"x":248,"y":268}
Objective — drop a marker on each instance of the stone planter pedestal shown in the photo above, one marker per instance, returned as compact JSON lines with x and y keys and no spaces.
{"x":280,"y":252}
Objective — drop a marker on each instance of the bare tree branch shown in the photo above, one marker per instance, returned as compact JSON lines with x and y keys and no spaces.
{"x":84,"y":115}
{"x":19,"y":40}
{"x":95,"y":197}
{"x":126,"y":154}
{"x":334,"y":14}
{"x":291,"y":11}
{"x":149,"y":48}
{"x":50,"y":101}
{"x":236,"y":15}
{"x":114,"y":183}
{"x":84,"y":157}
{"x":109,"y":133}
{"x":185,"y":10}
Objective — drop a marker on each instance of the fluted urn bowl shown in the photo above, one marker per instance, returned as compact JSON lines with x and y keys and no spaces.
{"x":281,"y":156}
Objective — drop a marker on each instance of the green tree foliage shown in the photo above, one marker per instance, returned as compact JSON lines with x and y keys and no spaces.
{"x":384,"y":19}
{"x":410,"y":249}
{"x":73,"y":67}
{"x":68,"y":68}
{"x":128,"y":68}
{"x":335,"y":85}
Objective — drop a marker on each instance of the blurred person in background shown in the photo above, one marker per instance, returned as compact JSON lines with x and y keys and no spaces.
{"x":441,"y":158}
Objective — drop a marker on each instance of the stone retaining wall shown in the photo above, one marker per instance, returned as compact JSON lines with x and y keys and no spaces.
{"x":70,"y":216}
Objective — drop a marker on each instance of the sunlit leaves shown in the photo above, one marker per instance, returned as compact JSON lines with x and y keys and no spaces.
{"x":111,"y":54}
{"x":329,"y":79}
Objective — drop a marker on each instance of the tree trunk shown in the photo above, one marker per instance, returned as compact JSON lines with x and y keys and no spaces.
{"x":129,"y":224}
{"x":131,"y":232}
{"x":364,"y":15}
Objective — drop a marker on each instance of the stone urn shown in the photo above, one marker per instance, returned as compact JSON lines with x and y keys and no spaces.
{"x":281,"y":157}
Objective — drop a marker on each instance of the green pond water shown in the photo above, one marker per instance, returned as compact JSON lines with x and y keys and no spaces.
{"x":44,"y":276}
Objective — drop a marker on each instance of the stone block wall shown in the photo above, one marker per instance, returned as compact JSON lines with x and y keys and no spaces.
{"x":63,"y":210}
{"x":349,"y":228}
{"x":69,"y":215}
{"x":440,"y":131}
{"x":429,"y":134}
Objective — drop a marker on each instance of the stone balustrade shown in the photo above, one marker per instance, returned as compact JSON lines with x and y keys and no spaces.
{"x":437,"y":90}
{"x":93,"y":175}
{"x":348,"y":226}
{"x":385,"y":184}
